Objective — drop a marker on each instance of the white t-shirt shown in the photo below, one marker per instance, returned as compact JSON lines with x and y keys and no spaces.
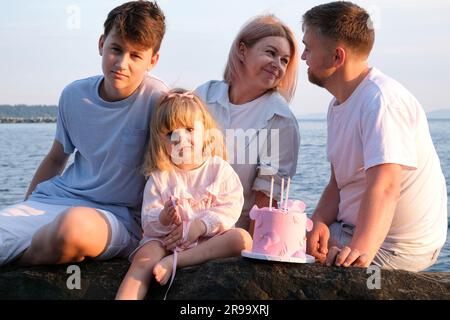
{"x":109,"y":141}
{"x":243,"y":115}
{"x":381,"y":122}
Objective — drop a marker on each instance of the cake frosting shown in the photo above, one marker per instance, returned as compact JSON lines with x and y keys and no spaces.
{"x":281,"y":232}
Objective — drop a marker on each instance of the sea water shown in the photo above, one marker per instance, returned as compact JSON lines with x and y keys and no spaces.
{"x":23,"y":146}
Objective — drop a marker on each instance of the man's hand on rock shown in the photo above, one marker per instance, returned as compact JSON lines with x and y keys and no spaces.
{"x":317,"y":241}
{"x":346,"y":257}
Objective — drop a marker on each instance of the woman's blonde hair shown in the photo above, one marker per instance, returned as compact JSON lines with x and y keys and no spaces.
{"x":179,"y":109}
{"x":255,"y":30}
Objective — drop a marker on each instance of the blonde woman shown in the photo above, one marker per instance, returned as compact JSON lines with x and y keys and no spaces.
{"x":251,"y":107}
{"x":189,"y":185}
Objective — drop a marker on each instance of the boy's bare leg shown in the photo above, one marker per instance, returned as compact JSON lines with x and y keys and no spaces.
{"x":228,"y":244}
{"x":74,"y":235}
{"x":135,"y":284}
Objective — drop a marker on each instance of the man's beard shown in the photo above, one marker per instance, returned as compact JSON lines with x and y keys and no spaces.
{"x":315,"y":80}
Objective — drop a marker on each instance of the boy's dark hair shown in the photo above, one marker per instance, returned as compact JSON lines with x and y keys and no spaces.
{"x":140,"y":22}
{"x":343,"y":21}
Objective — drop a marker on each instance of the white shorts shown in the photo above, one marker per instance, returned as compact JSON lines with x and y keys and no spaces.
{"x":19,"y":223}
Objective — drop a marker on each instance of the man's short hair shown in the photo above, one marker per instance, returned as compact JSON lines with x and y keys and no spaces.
{"x":139,"y":22}
{"x":345,"y":22}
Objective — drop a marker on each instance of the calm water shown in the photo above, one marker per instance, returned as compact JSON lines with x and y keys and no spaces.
{"x":23,"y":146}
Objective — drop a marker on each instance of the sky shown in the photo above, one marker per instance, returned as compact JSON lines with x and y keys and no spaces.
{"x":47,"y":44}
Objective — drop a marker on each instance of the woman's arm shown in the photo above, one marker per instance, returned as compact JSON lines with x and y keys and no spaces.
{"x":280,"y":153}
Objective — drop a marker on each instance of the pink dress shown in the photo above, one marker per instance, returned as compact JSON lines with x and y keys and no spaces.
{"x":212,"y":193}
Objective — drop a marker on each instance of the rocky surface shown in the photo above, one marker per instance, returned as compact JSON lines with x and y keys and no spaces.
{"x":230,"y":279}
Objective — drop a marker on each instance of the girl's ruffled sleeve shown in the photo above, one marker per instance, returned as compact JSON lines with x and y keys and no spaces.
{"x":227,"y":205}
{"x":151,"y":208}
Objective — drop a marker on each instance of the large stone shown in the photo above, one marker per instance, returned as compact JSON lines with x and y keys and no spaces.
{"x":233,"y":278}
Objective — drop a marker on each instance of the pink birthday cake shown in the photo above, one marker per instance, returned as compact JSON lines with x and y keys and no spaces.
{"x":280,"y":234}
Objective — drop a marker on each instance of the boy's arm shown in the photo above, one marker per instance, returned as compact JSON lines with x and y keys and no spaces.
{"x":53,"y":164}
{"x":324,"y":215}
{"x":374,"y":217}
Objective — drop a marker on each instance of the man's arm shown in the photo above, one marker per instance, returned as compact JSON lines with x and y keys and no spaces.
{"x":374,"y":217}
{"x":325,"y":214}
{"x":53,"y":164}
{"x":328,"y":207}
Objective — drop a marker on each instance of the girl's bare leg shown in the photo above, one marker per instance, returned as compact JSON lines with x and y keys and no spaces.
{"x":137,"y":280}
{"x":227,"y":244}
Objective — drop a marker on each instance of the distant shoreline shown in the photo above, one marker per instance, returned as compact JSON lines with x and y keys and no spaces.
{"x":11,"y":120}
{"x":28,"y":114}
{"x":28,"y":120}
{"x":48,"y":114}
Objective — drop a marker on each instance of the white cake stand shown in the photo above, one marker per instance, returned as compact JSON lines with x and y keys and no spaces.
{"x":268,"y":257}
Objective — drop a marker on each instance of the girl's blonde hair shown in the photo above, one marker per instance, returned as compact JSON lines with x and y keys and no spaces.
{"x":255,"y":30}
{"x":179,"y":109}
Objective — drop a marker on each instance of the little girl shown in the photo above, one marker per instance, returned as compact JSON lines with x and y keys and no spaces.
{"x":190,"y":188}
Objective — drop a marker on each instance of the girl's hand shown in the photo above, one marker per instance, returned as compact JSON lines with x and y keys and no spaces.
{"x":169,"y":214}
{"x":196,"y":230}
{"x":174,"y":238}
